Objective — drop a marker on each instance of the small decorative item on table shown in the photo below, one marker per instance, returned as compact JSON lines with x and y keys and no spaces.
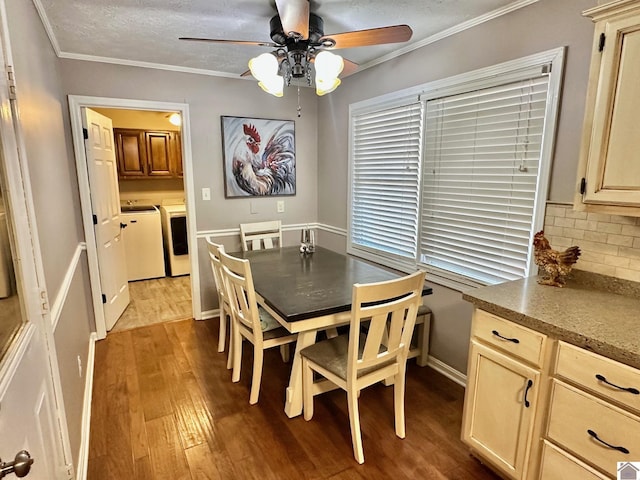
{"x":307,"y":241}
{"x":555,"y":264}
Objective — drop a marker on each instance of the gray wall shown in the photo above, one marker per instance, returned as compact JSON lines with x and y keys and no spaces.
{"x":44,"y":119}
{"x":544,"y":25}
{"x":209,"y":98}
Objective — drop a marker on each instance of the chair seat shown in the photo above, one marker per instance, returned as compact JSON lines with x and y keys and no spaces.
{"x":267,"y":322}
{"x":423,"y":310}
{"x":331,"y":354}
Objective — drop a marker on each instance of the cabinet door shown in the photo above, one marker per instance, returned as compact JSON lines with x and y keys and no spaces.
{"x":159,"y":153}
{"x":130,"y":153}
{"x":613,"y":161}
{"x":499,"y":408}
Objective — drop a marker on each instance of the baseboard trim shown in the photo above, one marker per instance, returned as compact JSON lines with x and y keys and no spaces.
{"x":448,"y":371}
{"x":208,"y":314}
{"x":83,"y":454}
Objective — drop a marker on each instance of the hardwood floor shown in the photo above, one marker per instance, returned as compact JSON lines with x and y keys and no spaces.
{"x":155,"y":301}
{"x":164,"y":407}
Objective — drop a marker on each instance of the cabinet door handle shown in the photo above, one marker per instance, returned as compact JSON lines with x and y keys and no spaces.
{"x":527,"y":404}
{"x":632,"y":390}
{"x":613,"y":447}
{"x":497,"y":334}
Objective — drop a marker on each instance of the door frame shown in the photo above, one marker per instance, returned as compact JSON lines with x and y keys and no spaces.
{"x":76,"y":104}
{"x":35,"y":298}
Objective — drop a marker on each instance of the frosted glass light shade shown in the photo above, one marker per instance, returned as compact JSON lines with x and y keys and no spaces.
{"x":323,"y":86}
{"x":328,"y":65}
{"x":273,"y":85}
{"x":264,"y":66}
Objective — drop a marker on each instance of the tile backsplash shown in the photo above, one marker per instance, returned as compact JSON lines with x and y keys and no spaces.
{"x":610,"y":244}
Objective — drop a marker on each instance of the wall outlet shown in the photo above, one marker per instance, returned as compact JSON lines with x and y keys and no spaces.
{"x":79,"y":366}
{"x":253,"y":208}
{"x":280,"y":206}
{"x":206,"y":194}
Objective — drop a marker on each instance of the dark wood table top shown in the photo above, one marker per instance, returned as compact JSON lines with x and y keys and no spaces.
{"x":299,"y":287}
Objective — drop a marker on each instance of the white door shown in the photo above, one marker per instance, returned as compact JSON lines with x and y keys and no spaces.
{"x":105,"y":201}
{"x":30,"y":418}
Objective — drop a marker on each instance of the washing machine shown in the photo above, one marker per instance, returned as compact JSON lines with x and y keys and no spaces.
{"x":174,"y":230}
{"x":142,"y":239}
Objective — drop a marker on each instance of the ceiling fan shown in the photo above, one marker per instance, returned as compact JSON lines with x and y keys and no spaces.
{"x":301,"y":46}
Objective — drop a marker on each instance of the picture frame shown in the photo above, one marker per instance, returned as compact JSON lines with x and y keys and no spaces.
{"x":259,"y":157}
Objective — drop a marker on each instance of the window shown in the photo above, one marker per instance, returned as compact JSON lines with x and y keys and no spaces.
{"x":454,"y":176}
{"x":386,"y":156}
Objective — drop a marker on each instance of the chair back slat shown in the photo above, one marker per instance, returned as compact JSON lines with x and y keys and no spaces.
{"x":241,"y":292}
{"x":261,"y":235}
{"x":389,"y":308}
{"x":214,"y":250}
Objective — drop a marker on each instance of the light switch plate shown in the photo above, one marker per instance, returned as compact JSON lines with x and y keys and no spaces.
{"x":206,"y":194}
{"x":280,"y":206}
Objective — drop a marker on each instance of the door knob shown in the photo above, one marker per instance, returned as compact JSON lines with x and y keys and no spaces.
{"x":20,"y":465}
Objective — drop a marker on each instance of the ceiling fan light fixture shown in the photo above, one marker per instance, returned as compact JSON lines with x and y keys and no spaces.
{"x":328,"y":66}
{"x":273,"y":85}
{"x":264,"y":66}
{"x":323,"y":87}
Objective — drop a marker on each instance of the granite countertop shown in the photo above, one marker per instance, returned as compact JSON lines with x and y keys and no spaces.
{"x":592,"y":311}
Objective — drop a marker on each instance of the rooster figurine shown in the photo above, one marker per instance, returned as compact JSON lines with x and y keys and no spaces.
{"x":555,"y":264}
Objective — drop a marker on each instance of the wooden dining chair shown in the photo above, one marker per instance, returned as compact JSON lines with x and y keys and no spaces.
{"x":250,"y":321}
{"x":261,"y":235}
{"x":214,"y":250}
{"x":360,"y":359}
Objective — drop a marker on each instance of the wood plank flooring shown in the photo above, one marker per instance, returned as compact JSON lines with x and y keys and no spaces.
{"x":164,"y":407}
{"x":155,"y":301}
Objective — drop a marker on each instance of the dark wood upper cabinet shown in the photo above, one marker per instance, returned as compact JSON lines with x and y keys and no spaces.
{"x":130,"y":153}
{"x":148,"y":153}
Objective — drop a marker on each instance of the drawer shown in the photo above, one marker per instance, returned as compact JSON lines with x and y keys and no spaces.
{"x":580,"y":366}
{"x":508,"y":336}
{"x":557,"y":464}
{"x":574,"y":413}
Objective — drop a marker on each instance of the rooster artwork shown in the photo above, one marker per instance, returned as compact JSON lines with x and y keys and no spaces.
{"x":259,"y":157}
{"x":555,"y":264}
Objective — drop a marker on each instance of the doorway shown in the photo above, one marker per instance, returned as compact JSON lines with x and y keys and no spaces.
{"x":100,"y":104}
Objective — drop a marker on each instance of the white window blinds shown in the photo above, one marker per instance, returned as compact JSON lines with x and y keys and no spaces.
{"x":386,"y":155}
{"x":482,"y":157}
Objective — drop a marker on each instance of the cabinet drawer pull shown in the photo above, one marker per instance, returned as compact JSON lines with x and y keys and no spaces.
{"x":613,"y":447}
{"x":625,"y":389}
{"x":526,"y":392}
{"x":497,"y":334}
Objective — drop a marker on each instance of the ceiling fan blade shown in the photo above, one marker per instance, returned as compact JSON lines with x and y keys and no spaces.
{"x":349,"y":68}
{"x":294,"y":15}
{"x":234,"y":42}
{"x":372,"y":36}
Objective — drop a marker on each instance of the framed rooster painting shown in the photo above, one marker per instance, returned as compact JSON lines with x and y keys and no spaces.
{"x":259,"y":157}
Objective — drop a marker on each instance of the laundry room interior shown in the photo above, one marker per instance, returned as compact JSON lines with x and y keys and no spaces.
{"x":153,"y":215}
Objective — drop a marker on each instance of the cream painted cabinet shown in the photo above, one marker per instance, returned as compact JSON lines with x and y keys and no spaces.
{"x":593,"y":420}
{"x":501,"y":398}
{"x":609,"y":171}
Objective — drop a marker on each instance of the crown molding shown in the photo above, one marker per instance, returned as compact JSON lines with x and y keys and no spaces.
{"x":157,"y":66}
{"x":47,"y":27}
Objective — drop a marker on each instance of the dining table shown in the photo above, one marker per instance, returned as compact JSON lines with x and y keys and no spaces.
{"x":308,"y":293}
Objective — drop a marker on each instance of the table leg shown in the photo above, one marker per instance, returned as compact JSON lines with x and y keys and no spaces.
{"x":293,"y":401}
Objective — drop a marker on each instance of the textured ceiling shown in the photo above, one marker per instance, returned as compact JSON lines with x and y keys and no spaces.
{"x":147,"y":31}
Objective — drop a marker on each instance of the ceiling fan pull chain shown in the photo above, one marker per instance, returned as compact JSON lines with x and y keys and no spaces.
{"x":299,"y":108}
